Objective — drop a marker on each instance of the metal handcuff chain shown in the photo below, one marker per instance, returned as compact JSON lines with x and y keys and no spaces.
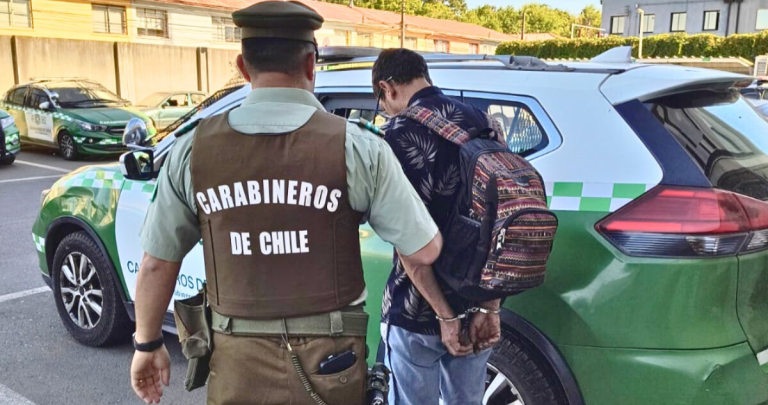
{"x":300,"y":370}
{"x":467,"y":312}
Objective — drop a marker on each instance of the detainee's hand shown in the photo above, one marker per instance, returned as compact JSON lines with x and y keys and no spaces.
{"x":149,"y":373}
{"x":450,"y":332}
{"x":484,"y":330}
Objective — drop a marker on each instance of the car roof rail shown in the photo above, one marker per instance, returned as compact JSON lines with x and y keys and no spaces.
{"x":343,"y":54}
{"x":351,"y":55}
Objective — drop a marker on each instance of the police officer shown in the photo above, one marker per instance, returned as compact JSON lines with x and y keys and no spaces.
{"x":276,"y":189}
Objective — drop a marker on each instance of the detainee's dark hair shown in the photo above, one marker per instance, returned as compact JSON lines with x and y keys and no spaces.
{"x":276,"y":55}
{"x":399,"y":66}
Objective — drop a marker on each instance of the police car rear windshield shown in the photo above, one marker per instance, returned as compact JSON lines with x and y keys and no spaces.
{"x":725,"y":136}
{"x":85,"y":95}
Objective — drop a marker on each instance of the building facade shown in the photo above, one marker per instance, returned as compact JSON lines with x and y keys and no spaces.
{"x":723,"y":17}
{"x":208,"y":23}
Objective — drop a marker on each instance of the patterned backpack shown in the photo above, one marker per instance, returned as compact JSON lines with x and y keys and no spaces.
{"x":499,"y":236}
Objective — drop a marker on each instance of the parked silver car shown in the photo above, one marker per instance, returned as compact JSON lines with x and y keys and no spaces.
{"x":165,"y":107}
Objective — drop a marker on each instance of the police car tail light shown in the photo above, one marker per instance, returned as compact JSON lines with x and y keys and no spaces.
{"x":688,"y":222}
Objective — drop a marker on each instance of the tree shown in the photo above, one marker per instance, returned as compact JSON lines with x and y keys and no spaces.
{"x":539,"y":17}
{"x":591,"y":17}
{"x":438,"y":10}
{"x":543,"y":18}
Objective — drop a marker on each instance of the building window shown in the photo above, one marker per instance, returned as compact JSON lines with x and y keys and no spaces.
{"x":411,"y":43}
{"x":711,"y":20}
{"x":225,"y":30}
{"x":678,"y":22}
{"x":442,"y":46}
{"x":15,"y":13}
{"x":617,"y":24}
{"x":474,"y":48}
{"x":762,"y":19}
{"x":152,"y":23}
{"x":364,"y":39}
{"x":649,"y":23}
{"x":108,"y":19}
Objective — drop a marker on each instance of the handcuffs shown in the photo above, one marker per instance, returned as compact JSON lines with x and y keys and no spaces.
{"x":467,"y":312}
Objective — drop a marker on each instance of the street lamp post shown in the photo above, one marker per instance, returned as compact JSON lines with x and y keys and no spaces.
{"x":642,"y":17}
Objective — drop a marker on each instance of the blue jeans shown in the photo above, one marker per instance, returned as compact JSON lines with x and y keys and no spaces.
{"x":423,"y":371}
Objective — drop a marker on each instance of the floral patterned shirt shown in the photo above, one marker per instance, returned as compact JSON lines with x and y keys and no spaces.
{"x":431,"y":163}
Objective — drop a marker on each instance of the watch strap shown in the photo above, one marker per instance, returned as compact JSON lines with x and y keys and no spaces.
{"x":149,"y":346}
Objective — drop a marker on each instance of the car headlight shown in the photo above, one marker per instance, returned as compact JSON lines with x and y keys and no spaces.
{"x":87,"y":126}
{"x":6,"y":122}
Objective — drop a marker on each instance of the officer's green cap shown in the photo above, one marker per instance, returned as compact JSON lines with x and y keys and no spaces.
{"x":278,"y":19}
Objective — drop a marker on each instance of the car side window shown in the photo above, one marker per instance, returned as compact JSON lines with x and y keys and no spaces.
{"x":35,"y":98}
{"x":354,"y":107}
{"x":177,"y":100}
{"x":198,"y":98}
{"x":524,"y":134}
{"x":17,"y":97}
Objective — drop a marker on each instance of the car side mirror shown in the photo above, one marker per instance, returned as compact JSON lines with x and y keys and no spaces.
{"x":45,"y":105}
{"x":138,"y":164}
{"x":135,"y":133}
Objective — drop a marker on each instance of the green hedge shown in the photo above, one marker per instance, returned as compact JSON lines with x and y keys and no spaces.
{"x":665,"y":45}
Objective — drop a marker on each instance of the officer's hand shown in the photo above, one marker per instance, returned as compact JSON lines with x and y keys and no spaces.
{"x":484,"y":330}
{"x":450,"y":333}
{"x":149,"y":372}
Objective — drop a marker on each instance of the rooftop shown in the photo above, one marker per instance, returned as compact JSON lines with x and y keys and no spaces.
{"x":358,"y":15}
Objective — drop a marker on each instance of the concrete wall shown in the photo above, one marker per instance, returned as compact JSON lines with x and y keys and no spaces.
{"x":6,"y":64}
{"x":50,"y":57}
{"x":694,"y":9}
{"x":160,"y":68}
{"x":221,"y":67}
{"x":131,"y":70}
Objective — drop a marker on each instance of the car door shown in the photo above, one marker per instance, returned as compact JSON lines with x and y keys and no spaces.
{"x":173,"y":108}
{"x":14,"y":101}
{"x":39,"y":121}
{"x":132,"y":207}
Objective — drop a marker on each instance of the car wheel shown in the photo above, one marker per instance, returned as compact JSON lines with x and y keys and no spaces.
{"x":7,"y":160}
{"x":86,"y":294}
{"x":67,"y":146}
{"x":518,"y":374}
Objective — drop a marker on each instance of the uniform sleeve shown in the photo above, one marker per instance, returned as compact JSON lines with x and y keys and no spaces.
{"x":171,"y":227}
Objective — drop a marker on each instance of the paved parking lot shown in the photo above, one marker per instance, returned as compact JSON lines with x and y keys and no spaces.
{"x":39,"y":362}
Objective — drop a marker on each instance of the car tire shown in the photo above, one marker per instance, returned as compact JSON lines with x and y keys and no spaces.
{"x":67,"y":146}
{"x":519,"y":374}
{"x":80,"y":273}
{"x":7,"y":160}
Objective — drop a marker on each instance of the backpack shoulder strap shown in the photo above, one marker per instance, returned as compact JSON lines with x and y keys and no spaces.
{"x":437,"y":124}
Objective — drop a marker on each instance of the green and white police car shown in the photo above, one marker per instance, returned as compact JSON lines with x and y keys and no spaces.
{"x":76,"y":116}
{"x":9,"y":139}
{"x":657,"y":290}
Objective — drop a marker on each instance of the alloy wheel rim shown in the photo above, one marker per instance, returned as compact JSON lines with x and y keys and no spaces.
{"x":81,"y":291}
{"x":499,"y":390}
{"x":67,"y":145}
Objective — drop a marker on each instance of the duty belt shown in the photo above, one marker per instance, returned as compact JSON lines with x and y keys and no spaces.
{"x":352,"y":321}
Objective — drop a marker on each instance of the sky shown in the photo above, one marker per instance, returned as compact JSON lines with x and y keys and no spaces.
{"x":573,"y":6}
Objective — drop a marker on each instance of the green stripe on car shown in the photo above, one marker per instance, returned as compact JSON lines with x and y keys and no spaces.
{"x":592,"y":197}
{"x":39,"y":243}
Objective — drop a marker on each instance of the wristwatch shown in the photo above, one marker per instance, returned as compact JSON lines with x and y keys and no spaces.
{"x":149,"y":346}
